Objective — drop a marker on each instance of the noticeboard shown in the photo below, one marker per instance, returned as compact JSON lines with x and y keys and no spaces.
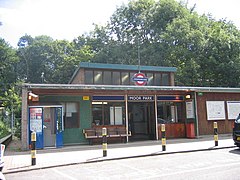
{"x":215,"y":110}
{"x":189,"y":109}
{"x":36,"y":116}
{"x":233,"y":108}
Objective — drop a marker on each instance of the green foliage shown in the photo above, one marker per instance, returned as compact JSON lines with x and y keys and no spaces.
{"x":4,"y":130}
{"x":8,"y":61}
{"x":44,"y":60}
{"x":205,"y":51}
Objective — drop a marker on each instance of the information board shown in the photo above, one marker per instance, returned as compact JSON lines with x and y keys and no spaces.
{"x":233,"y":108}
{"x":189,"y":109}
{"x":36,"y":119}
{"x":215,"y":110}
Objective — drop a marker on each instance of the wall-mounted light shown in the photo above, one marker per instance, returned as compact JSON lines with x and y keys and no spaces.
{"x":188,"y":96}
{"x":33,"y":97}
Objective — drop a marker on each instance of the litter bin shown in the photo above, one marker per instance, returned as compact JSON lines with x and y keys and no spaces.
{"x":190,"y":130}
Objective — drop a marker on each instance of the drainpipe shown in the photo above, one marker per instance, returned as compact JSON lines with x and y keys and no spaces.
{"x":126,"y":114}
{"x":196,"y":113}
{"x":155,"y":106}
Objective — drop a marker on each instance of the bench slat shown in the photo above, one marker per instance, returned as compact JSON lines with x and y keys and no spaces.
{"x":115,"y":132}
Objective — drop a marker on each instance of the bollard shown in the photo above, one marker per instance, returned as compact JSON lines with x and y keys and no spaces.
{"x":215,"y":134}
{"x":163,"y":137}
{"x":104,"y":141}
{"x":33,"y":148}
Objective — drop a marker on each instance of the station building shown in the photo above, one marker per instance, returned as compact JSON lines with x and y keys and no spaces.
{"x":138,"y":98}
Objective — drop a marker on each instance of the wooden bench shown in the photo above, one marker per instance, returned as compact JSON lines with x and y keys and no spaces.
{"x":112,"y":132}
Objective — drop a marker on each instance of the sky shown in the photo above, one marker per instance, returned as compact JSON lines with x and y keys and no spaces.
{"x":68,"y":19}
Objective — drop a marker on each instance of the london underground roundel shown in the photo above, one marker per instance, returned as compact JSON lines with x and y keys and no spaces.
{"x":140,"y":79}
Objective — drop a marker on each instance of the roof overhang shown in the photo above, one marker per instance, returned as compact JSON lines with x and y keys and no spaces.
{"x":120,"y":87}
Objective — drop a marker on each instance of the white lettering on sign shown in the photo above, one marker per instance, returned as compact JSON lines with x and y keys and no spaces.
{"x":140,"y":98}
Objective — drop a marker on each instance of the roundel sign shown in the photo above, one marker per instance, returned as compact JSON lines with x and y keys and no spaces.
{"x":140,"y":79}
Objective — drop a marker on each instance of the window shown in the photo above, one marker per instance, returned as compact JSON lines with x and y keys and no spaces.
{"x":97,"y":77}
{"x":88,"y":77}
{"x":125,"y":78}
{"x":107,"y":77}
{"x":116,"y":78}
{"x":165,"y":79}
{"x":131,"y":77}
{"x":116,"y":115}
{"x":108,"y":113}
{"x":97,"y":112}
{"x":150,"y":79}
{"x":70,"y":115}
{"x":170,"y":112}
{"x":157,"y":79}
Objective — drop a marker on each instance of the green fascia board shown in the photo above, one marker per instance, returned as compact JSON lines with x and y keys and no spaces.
{"x":126,"y":67}
{"x":121,"y":87}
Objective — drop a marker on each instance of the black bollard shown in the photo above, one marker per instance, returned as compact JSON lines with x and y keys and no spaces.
{"x":163,"y":137}
{"x":33,"y":148}
{"x":104,"y":141}
{"x":215,"y":134}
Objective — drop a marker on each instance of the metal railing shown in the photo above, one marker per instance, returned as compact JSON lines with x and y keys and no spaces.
{"x":6,"y":140}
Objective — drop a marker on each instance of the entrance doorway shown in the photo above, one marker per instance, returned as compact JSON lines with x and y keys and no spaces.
{"x":49,"y":125}
{"x":47,"y":122}
{"x":142,"y":121}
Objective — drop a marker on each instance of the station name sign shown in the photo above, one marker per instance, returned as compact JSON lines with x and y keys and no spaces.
{"x":141,"y":98}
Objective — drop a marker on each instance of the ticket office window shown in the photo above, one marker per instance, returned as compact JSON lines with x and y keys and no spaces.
{"x":170,"y":112}
{"x":108,"y":113}
{"x":70,"y":114}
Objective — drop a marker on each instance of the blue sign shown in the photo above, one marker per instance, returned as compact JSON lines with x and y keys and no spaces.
{"x":141,"y":98}
{"x":106,"y":98}
{"x":170,"y":98}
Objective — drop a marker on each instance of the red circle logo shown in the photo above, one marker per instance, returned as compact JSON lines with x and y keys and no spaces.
{"x":140,"y":79}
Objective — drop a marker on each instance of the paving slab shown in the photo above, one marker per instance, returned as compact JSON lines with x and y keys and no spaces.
{"x":16,"y":160}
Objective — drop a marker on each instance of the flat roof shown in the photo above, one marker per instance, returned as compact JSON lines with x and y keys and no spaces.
{"x":120,"y":87}
{"x":126,"y":67}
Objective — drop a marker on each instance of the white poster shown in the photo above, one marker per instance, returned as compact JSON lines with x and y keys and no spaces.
{"x":233,"y":108}
{"x":189,"y":109}
{"x":36,"y":119}
{"x":215,"y":110}
{"x":116,"y":116}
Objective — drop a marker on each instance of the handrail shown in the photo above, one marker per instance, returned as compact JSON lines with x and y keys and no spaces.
{"x":6,"y":140}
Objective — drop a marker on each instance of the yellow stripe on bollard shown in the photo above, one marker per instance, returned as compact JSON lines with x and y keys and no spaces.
{"x":104,"y":141}
{"x":163,"y":141}
{"x":33,"y":153}
{"x":33,"y":136}
{"x":163,"y":137}
{"x":33,"y":148}
{"x":215,"y":130}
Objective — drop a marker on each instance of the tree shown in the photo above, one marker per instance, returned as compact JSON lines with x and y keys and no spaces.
{"x":167,"y":33}
{"x":44,"y":60}
{"x":12,"y":103}
{"x":8,"y":60}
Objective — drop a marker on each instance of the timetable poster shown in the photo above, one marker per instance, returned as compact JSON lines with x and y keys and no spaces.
{"x":36,"y":115}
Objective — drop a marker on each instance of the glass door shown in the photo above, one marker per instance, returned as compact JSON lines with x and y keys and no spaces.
{"x":49,"y":124}
{"x":59,"y":126}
